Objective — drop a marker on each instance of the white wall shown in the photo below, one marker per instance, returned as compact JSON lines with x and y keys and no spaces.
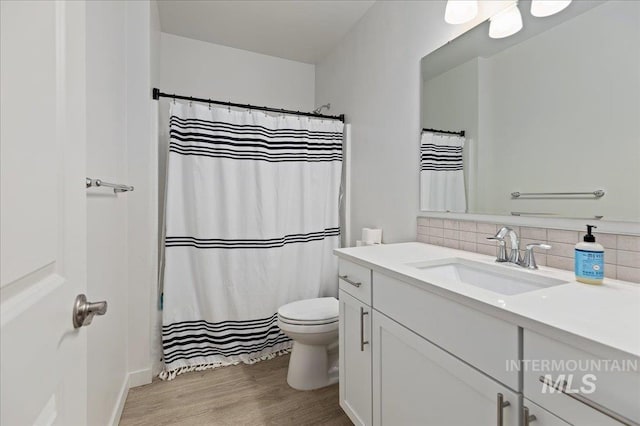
{"x":107,"y":214}
{"x":205,"y":70}
{"x":121,"y":229}
{"x":197,"y":68}
{"x":373,"y":77}
{"x":142,"y":50}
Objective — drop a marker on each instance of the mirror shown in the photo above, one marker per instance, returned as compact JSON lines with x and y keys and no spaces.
{"x":551,"y":117}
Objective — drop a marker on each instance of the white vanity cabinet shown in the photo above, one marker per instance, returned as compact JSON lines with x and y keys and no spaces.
{"x":355,"y":349}
{"x":417,"y":383}
{"x":586,"y":385}
{"x":412,"y":356}
{"x":538,"y":416}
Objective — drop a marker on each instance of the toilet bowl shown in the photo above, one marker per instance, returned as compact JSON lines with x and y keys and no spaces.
{"x":312,"y":324}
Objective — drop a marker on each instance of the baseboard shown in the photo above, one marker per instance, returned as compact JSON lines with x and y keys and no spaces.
{"x":133,"y":379}
{"x":122,"y":398}
{"x":140,"y":377}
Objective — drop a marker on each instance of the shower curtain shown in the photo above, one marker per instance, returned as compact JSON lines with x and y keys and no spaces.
{"x":252,"y":219}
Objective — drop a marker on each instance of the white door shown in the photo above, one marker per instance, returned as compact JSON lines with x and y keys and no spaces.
{"x":417,"y":383}
{"x":43,"y":234}
{"x":355,"y":359}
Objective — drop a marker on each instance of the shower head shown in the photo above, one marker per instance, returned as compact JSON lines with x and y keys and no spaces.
{"x":320,"y":108}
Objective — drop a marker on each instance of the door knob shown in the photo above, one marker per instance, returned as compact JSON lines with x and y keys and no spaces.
{"x":83,"y":311}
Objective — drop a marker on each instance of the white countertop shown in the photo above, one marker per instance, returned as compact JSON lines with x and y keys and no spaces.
{"x":608,"y":314}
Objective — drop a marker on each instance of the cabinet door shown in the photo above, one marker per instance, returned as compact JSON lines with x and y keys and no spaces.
{"x":417,"y":383}
{"x":540,"y":416}
{"x":355,"y":359}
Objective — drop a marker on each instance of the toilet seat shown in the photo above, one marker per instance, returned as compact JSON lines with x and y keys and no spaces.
{"x":307,"y":328}
{"x":319,"y":311}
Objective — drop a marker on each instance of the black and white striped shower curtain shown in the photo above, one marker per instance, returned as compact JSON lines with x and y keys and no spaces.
{"x":251,"y":222}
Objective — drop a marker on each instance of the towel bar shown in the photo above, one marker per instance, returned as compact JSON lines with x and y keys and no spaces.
{"x":596,"y":194}
{"x":117,"y":187}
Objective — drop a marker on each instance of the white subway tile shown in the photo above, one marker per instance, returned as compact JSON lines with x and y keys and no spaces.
{"x":436,"y":232}
{"x":486,"y":228}
{"x":628,"y":274}
{"x":451,"y":234}
{"x":541,"y":259}
{"x":455,"y":244}
{"x":438,"y":241}
{"x":628,"y":258}
{"x":451,"y":224}
{"x":560,"y":236}
{"x":466,"y":225}
{"x":486,"y":249}
{"x":436,"y":223}
{"x":467,"y":246}
{"x":468,"y":236}
{"x":561,"y":249}
{"x":482,"y":239}
{"x":539,"y":234}
{"x":560,"y":262}
{"x":423,"y":230}
{"x":628,"y":243}
{"x":610,"y":271}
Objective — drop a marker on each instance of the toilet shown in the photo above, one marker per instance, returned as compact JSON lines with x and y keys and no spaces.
{"x":312,"y":324}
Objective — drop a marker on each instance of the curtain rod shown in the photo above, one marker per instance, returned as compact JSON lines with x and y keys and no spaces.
{"x":157,"y":94}
{"x":446,"y":132}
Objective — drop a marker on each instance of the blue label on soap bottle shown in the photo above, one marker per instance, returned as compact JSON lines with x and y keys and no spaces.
{"x":590,"y":264}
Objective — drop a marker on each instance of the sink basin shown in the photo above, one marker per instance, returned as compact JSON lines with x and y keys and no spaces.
{"x":500,"y":279}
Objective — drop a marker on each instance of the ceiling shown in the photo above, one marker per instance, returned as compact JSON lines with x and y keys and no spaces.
{"x":303,"y":31}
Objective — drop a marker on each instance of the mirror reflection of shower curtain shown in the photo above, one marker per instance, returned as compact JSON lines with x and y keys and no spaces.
{"x":252,"y":219}
{"x":442,"y":182}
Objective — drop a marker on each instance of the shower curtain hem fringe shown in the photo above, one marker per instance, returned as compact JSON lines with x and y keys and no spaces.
{"x":168,"y":375}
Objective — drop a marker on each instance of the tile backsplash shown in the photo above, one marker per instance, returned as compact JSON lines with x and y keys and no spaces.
{"x":622,"y":252}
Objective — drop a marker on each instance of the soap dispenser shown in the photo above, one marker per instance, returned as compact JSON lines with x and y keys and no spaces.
{"x":589,"y":259}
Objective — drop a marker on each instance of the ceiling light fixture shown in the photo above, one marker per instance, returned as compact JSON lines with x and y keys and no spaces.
{"x":542,"y":8}
{"x":460,"y":11}
{"x":505,"y":23}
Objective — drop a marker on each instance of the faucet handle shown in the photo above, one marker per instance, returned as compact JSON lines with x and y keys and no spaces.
{"x":529,"y":260}
{"x":538,"y":245}
{"x":502,"y":249}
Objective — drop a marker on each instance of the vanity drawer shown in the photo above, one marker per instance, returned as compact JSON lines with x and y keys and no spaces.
{"x":355,"y":280}
{"x":586,"y":376}
{"x":481,"y":340}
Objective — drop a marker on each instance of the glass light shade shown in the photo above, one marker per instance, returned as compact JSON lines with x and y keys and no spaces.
{"x":460,"y":11}
{"x":542,"y":8}
{"x":505,"y":23}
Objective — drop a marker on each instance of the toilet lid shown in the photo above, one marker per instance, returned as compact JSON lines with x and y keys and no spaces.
{"x":320,"y":309}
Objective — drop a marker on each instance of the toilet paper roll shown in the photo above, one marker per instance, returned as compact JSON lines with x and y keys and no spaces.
{"x":372,"y":235}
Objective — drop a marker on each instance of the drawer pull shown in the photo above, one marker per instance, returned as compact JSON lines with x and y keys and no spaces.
{"x":526,"y":417}
{"x":362,"y":341}
{"x":353,"y":283}
{"x":589,"y":403}
{"x":501,"y":404}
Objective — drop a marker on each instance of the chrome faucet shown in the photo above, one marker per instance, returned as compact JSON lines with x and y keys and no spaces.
{"x":514,"y":253}
{"x":528,"y":261}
